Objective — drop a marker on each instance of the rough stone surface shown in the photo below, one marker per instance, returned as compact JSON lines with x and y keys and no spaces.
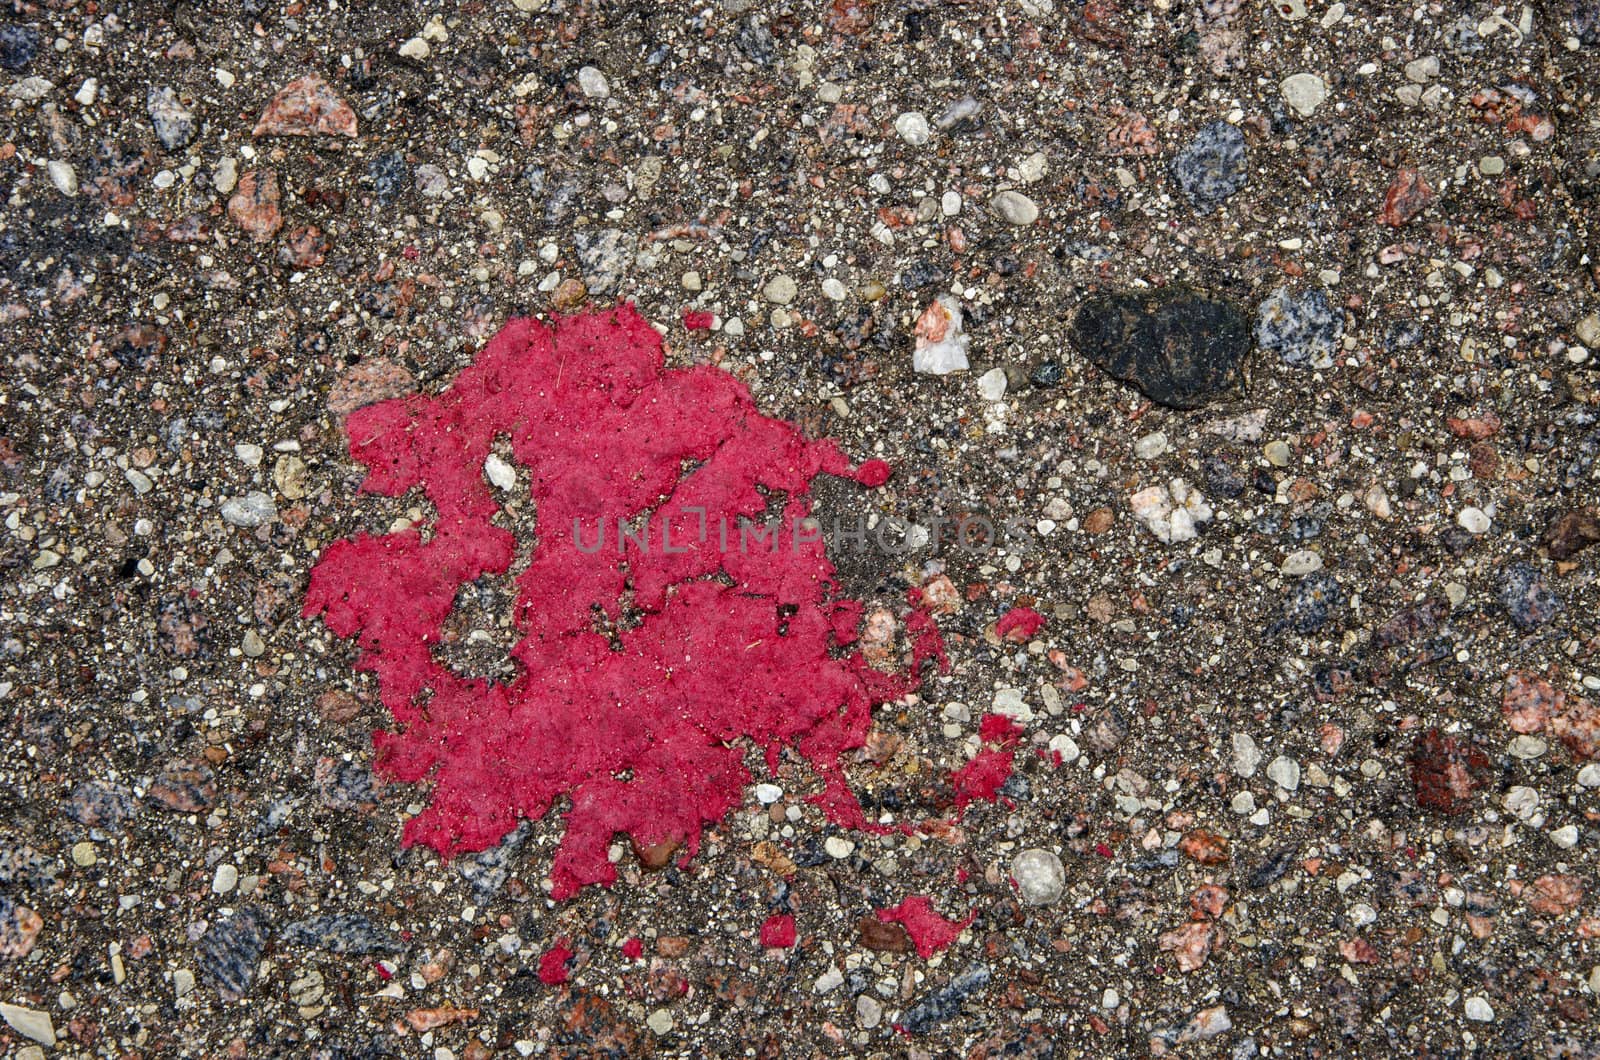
{"x":1181,"y":349}
{"x":1040,"y":876}
{"x":1214,"y":166}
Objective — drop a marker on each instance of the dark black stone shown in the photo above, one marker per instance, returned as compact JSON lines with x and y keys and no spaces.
{"x":18,"y":46}
{"x":1271,"y":870}
{"x":1178,"y":347}
{"x":1047,"y":374}
{"x":1221,"y":479}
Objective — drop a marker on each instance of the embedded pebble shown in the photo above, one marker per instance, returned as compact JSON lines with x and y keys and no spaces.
{"x":1040,"y":877}
{"x":249,"y":511}
{"x":1015,"y":207}
{"x":1304,"y":92}
{"x":1214,"y":166}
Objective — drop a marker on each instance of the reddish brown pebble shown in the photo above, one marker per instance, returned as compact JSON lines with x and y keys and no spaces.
{"x":883,"y":937}
{"x":1528,"y":702}
{"x":1408,"y":196}
{"x":422,"y":1020}
{"x":850,"y":16}
{"x":19,"y":929}
{"x":1578,"y":726}
{"x":569,"y":295}
{"x":254,"y":206}
{"x":306,"y":107}
{"x":1554,"y":895}
{"x":1204,"y":846}
{"x":1444,"y":771}
{"x":656,"y":855}
{"x":1572,"y":532}
{"x":338,"y":706}
{"x":305,"y":248}
{"x":184,"y":788}
{"x":1098,"y":521}
{"x":367,"y":384}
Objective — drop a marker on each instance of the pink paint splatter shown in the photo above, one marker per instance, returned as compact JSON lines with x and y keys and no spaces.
{"x":1018,"y":624}
{"x":778,"y":931}
{"x":644,"y":672}
{"x":698,"y":320}
{"x":633,"y":949}
{"x":990,"y":768}
{"x":553,"y":964}
{"x":929,"y":931}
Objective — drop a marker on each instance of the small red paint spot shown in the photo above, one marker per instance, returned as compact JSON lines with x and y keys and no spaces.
{"x":873,"y":473}
{"x":778,"y":931}
{"x":990,"y":768}
{"x":383,"y":971}
{"x":1018,"y":624}
{"x":1103,"y":850}
{"x":645,"y":670}
{"x":410,"y":252}
{"x":698,"y":320}
{"x":553,"y":963}
{"x":929,"y":931}
{"x":633,"y":949}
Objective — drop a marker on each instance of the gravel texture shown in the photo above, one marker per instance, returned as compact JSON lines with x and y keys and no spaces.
{"x":1290,"y":632}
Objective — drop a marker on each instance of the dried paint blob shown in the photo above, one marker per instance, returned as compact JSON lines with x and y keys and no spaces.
{"x":648,"y":665}
{"x":929,"y":931}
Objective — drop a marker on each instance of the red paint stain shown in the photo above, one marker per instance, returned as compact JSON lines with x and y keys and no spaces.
{"x":990,"y":768}
{"x":643,"y":674}
{"x":553,"y":963}
{"x":778,"y":931}
{"x":633,"y":949}
{"x":698,"y":320}
{"x":1018,"y":624}
{"x":929,"y":931}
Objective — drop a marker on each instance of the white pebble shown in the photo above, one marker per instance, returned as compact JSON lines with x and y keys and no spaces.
{"x":1300,"y":563}
{"x":1040,"y":876}
{"x":838,"y":847}
{"x":992,"y":384}
{"x":1473,"y":520}
{"x":63,"y":176}
{"x":1304,"y":92}
{"x":593,"y":83}
{"x":913,"y":128}
{"x":1478,"y":1009}
{"x":1285,"y":772}
{"x":1015,"y":207}
{"x":1246,"y":755}
{"x":500,"y":474}
{"x":1151,"y":446}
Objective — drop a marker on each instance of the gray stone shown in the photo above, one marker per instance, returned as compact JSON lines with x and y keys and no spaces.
{"x":174,"y":123}
{"x":1015,"y":207}
{"x":1300,"y":328}
{"x":250,"y":511}
{"x":1040,"y":877}
{"x":1213,"y":166}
